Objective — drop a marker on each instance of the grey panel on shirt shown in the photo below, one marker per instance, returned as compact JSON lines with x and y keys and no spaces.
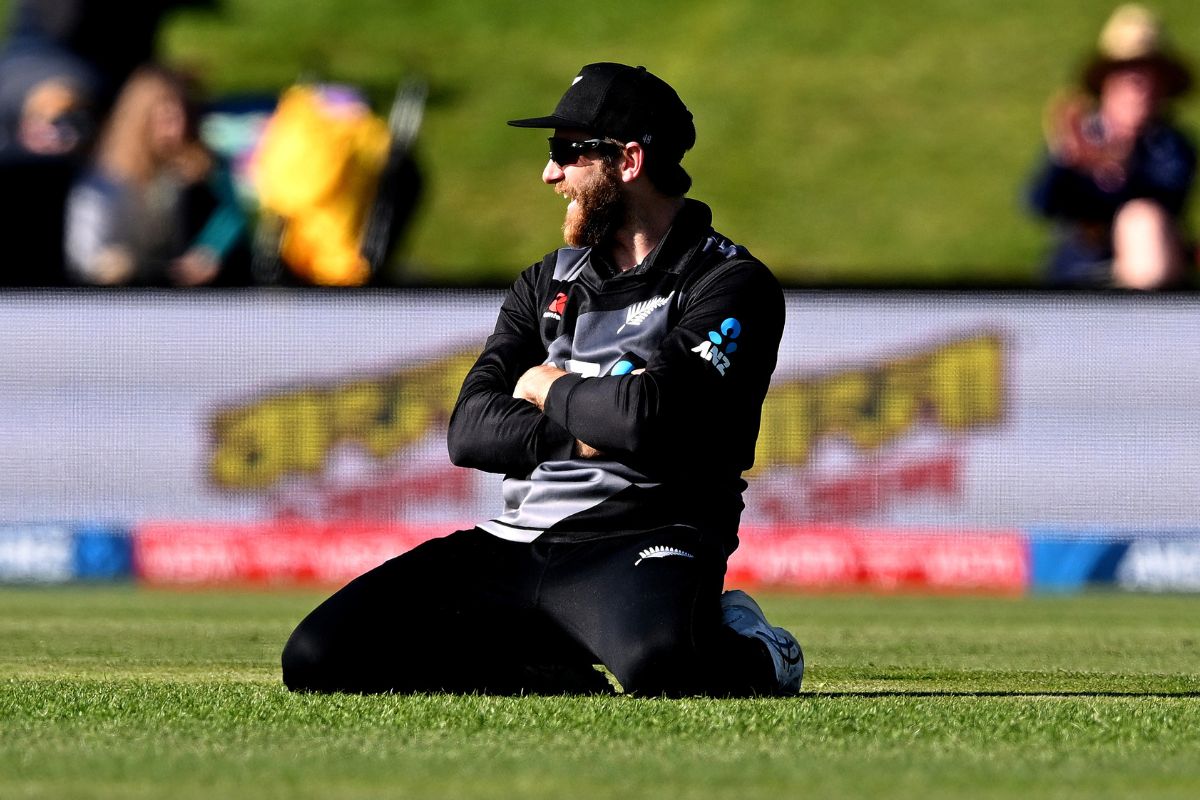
{"x":602,"y":337}
{"x":556,"y":490}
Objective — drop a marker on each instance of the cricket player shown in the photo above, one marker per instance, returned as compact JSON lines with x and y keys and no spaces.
{"x":619,"y":397}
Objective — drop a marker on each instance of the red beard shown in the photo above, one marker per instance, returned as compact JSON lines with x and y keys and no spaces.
{"x":599,"y":209}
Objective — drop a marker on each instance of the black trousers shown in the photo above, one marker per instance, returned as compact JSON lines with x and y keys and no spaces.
{"x":471,"y":612}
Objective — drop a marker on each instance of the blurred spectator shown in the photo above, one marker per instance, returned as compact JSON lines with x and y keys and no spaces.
{"x":60,"y":66}
{"x":1117,"y":174}
{"x":46,"y":128}
{"x":54,"y":119}
{"x":46,"y":105}
{"x":154,"y":206}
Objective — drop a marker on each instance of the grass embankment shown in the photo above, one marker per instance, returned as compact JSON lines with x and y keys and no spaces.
{"x":844,"y":145}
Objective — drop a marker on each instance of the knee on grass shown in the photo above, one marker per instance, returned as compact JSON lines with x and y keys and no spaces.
{"x":656,"y":667}
{"x":306,"y":663}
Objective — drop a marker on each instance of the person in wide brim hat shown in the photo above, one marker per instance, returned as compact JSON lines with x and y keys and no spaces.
{"x":1133,"y":38}
{"x":1117,"y":172}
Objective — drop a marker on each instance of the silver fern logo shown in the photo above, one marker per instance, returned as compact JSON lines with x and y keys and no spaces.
{"x":661,"y":551}
{"x":637,"y":313}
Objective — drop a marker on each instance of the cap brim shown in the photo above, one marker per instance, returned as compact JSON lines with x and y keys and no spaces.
{"x":545,"y":122}
{"x":1173,"y":73}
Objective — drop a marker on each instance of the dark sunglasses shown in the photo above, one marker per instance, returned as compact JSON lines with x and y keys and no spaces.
{"x":566,"y":152}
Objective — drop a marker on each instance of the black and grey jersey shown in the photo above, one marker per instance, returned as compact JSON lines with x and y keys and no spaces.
{"x":669,"y":362}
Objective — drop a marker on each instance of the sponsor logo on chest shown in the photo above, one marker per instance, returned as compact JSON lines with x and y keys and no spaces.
{"x":556,"y":308}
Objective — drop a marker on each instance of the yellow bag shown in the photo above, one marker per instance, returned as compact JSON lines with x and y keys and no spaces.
{"x":317,"y":168}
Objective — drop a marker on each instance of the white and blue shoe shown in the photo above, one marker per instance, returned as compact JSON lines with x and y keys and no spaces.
{"x":741,"y":613}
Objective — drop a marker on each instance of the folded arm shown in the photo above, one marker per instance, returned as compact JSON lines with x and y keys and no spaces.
{"x":490,"y":429}
{"x":699,"y":399}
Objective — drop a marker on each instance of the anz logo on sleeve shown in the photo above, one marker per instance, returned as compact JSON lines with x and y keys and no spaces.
{"x":720,"y":344}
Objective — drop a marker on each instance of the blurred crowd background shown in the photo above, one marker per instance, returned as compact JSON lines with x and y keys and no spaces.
{"x":362,"y":142}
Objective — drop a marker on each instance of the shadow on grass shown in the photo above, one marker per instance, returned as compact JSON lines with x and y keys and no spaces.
{"x":1009,"y":693}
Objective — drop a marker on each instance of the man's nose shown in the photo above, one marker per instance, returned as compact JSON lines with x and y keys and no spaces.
{"x":552,"y":174}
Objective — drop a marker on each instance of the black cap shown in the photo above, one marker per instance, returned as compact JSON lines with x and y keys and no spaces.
{"x":626,"y":103}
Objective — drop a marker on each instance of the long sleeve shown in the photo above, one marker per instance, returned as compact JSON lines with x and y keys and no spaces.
{"x":92,"y":219}
{"x":489,"y":429}
{"x":227,"y":223}
{"x":1168,"y":169}
{"x":1058,"y":191}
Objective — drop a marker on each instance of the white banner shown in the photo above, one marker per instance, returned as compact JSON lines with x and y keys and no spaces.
{"x":944,"y":411}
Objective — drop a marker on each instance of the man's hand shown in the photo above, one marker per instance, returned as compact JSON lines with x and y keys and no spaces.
{"x":583,"y":450}
{"x":534,"y":385}
{"x":196,"y":267}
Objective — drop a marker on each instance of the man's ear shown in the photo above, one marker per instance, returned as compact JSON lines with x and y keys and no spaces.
{"x":633,"y":162}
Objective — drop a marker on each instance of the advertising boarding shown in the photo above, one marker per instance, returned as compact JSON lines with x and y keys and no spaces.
{"x":896,"y":423}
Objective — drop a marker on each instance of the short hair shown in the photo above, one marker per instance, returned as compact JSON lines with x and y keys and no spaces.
{"x":667,"y":176}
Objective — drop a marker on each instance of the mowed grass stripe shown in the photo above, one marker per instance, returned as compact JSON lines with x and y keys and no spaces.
{"x":245,"y":740}
{"x":177,"y":694}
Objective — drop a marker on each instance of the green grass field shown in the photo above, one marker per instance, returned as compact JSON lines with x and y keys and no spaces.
{"x":119,"y":692}
{"x":841,"y":144}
